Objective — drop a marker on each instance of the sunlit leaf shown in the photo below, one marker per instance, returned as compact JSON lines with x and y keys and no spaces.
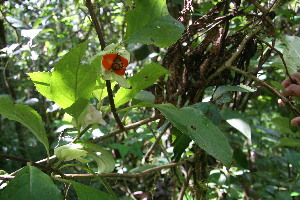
{"x":41,"y":81}
{"x":146,"y":77}
{"x":72,"y":82}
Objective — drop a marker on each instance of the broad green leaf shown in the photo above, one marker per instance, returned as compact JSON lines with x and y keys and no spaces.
{"x":104,"y":159}
{"x":72,"y":82}
{"x":210,"y":110}
{"x":85,"y":192}
{"x":26,"y":116}
{"x":71,"y":151}
{"x":289,"y":142}
{"x":143,"y":96}
{"x":31,"y":183}
{"x":100,"y":91}
{"x":200,"y":129}
{"x":241,"y":126}
{"x":240,"y":88}
{"x":151,"y":23}
{"x":292,"y":53}
{"x":237,"y":120}
{"x":41,"y":81}
{"x":145,"y":78}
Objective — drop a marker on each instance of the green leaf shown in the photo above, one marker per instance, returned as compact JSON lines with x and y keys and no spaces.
{"x":210,"y":110}
{"x":72,"y":82}
{"x":240,"y":88}
{"x":31,"y":183}
{"x":26,"y":116}
{"x":145,"y":78}
{"x":41,"y":81}
{"x":278,"y":86}
{"x":289,"y":142}
{"x":151,"y":23}
{"x":292,"y":53}
{"x":181,"y":142}
{"x":237,"y":120}
{"x":200,"y":129}
{"x":241,"y":126}
{"x":85,"y":192}
{"x":104,"y":159}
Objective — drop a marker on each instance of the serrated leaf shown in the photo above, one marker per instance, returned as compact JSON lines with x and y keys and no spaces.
{"x":240,"y":88}
{"x":26,"y":116}
{"x":200,"y":129}
{"x":31,"y":183}
{"x":85,"y":192}
{"x":72,"y":82}
{"x":151,"y":23}
{"x":41,"y":81}
{"x":145,"y":78}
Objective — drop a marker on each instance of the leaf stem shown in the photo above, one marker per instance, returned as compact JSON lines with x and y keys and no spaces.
{"x":100,"y":34}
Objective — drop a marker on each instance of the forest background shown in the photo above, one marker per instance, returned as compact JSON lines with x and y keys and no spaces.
{"x":196,"y":115}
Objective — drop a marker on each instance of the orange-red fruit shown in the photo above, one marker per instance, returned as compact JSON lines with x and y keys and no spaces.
{"x":114,"y":62}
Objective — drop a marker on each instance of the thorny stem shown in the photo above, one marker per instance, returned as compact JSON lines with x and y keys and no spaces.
{"x":100,"y":34}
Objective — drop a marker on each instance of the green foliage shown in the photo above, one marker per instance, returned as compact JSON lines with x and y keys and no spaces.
{"x":240,"y":88}
{"x":200,"y":129}
{"x":87,"y":193}
{"x":145,"y":78}
{"x":26,"y":116}
{"x":150,"y":23}
{"x":292,"y":53}
{"x":31,"y":183}
{"x":56,"y":45}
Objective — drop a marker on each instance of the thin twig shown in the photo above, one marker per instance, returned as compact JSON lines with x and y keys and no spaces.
{"x":149,"y":152}
{"x":275,"y":92}
{"x":47,"y":168}
{"x":229,"y":62}
{"x":186,"y":183}
{"x":128,"y":127}
{"x":282,"y":59}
